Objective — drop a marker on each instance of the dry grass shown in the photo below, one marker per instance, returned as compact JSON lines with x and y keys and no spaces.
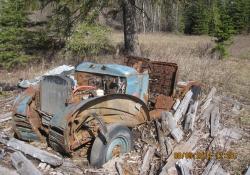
{"x":192,"y":54}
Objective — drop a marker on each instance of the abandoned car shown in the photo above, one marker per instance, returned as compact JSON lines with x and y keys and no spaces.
{"x":96,"y":110}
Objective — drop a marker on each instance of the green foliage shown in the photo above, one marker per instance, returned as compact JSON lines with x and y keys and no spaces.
{"x":223,"y":30}
{"x":197,"y":18}
{"x":12,"y":33}
{"x":67,"y":14}
{"x":237,"y":11}
{"x":215,"y":19}
{"x":221,"y":50}
{"x":89,"y":39}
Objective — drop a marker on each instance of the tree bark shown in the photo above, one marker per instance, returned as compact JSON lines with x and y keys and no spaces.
{"x":131,"y":41}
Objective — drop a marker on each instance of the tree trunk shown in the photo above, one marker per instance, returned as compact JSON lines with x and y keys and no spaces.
{"x":130,"y":33}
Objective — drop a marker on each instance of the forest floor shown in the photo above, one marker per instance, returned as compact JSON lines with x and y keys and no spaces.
{"x":192,"y":54}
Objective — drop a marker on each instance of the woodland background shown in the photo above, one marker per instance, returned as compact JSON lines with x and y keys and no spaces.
{"x":35,"y":30}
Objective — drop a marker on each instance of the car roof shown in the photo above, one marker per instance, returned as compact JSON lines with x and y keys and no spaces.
{"x":108,"y":69}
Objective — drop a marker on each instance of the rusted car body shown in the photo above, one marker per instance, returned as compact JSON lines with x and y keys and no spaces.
{"x":70,"y":116}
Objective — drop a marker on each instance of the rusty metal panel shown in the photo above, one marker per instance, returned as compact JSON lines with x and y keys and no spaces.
{"x":163,"y":75}
{"x":164,"y":102}
{"x":54,"y":91}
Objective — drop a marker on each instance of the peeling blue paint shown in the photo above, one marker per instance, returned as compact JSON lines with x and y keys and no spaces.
{"x":23,"y":104}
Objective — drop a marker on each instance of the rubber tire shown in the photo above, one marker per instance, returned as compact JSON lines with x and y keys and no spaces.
{"x":99,"y":148}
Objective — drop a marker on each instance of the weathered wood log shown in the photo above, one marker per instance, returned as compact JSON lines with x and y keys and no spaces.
{"x":187,"y":146}
{"x":208,"y":99}
{"x":176,"y":104}
{"x":169,"y":145}
{"x":28,"y":149}
{"x":23,"y":165}
{"x":5,"y":117}
{"x":208,"y":111}
{"x":178,"y":134}
{"x":191,"y":115}
{"x":146,"y":160}
{"x":171,"y":123}
{"x":161,"y":140}
{"x":207,"y":114}
{"x":119,"y":168}
{"x":164,"y":122}
{"x":184,"y":166}
{"x":182,"y":108}
{"x":215,"y":121}
{"x":214,"y":167}
{"x":7,"y":171}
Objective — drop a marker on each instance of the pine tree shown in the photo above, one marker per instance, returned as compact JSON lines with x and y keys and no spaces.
{"x":197,"y":18}
{"x":12,"y":32}
{"x":214,"y":18}
{"x":236,"y":10}
{"x":223,"y":30}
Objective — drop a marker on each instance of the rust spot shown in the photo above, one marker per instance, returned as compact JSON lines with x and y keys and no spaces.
{"x":164,"y":102}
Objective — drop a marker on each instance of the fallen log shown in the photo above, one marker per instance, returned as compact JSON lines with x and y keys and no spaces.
{"x":214,"y":121}
{"x":161,"y":140}
{"x":171,"y":123}
{"x":28,"y":149}
{"x":169,"y":145}
{"x":5,"y":117}
{"x":184,"y":166}
{"x":214,"y":167}
{"x":182,"y":108}
{"x":188,"y":146}
{"x":178,"y":134}
{"x":7,"y":171}
{"x":23,"y":165}
{"x":191,"y":115}
{"x":176,"y":104}
{"x":145,"y":168}
{"x":208,"y":99}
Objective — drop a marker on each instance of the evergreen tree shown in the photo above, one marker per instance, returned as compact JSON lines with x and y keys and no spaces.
{"x":197,"y":18}
{"x":237,"y":11}
{"x":12,"y":32}
{"x":214,"y":18}
{"x":223,"y":31}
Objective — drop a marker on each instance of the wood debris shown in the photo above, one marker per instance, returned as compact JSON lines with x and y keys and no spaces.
{"x":23,"y":165}
{"x":35,"y":152}
{"x":5,"y":117}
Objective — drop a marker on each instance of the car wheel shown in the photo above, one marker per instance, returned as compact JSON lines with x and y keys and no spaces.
{"x":119,"y":142}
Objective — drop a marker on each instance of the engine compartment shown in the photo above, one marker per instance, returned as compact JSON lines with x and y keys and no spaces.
{"x":95,"y":85}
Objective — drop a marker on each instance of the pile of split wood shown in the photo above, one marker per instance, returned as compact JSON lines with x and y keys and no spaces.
{"x":162,"y":147}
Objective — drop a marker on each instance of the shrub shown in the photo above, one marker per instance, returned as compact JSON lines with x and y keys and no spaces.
{"x":220,"y":50}
{"x":89,"y":39}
